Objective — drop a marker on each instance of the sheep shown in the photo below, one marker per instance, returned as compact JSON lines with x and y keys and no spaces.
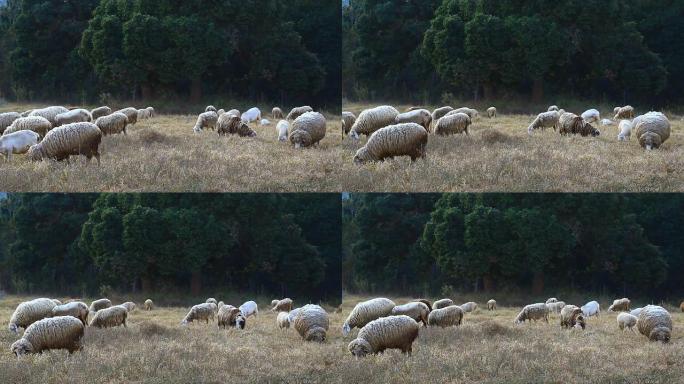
{"x":619,"y":305}
{"x":6,"y":119}
{"x":556,"y":307}
{"x":307,"y":130}
{"x":424,"y":301}
{"x":421,"y":117}
{"x":144,"y":114}
{"x":282,"y":129}
{"x":570,"y":123}
{"x":652,"y":130}
{"x":252,"y":114}
{"x":37,"y":124}
{"x":277,"y":113}
{"x":416,"y":310}
{"x":206,"y":120}
{"x":312,"y":323}
{"x":26,"y":113}
{"x":491,"y":112}
{"x":100,"y":111}
{"x":61,"y":332}
{"x":29,"y":312}
{"x":112,"y":124}
{"x":393,"y":332}
{"x":440,"y":112}
{"x":367,"y":311}
{"x":655,"y":323}
{"x":229,"y":124}
{"x":151,"y":112}
{"x":626,"y":320}
{"x":625,"y":128}
{"x":373,"y":119}
{"x":274,"y":302}
{"x":49,"y":113}
{"x":282,"y":320}
{"x":591,"y":116}
{"x":408,"y":139}
{"x":282,"y":305}
{"x":606,"y":122}
{"x":229,"y":316}
{"x":535,"y":312}
{"x":149,"y":304}
{"x":472,"y":113}
{"x":100,"y":304}
{"x":544,"y":120}
{"x":110,"y":317}
{"x":553,"y":108}
{"x":74,"y":116}
{"x":293,"y":313}
{"x":77,"y":309}
{"x":212,"y":300}
{"x":199,"y":312}
{"x":129,"y":305}
{"x":446,"y":317}
{"x":348,"y":120}
{"x":452,"y":124}
{"x":626,"y":112}
{"x":551,"y":300}
{"x":470,"y":306}
{"x":491,"y":305}
{"x":131,"y":113}
{"x":71,"y":139}
{"x":17,"y":143}
{"x":442,"y":303}
{"x":57,"y":302}
{"x":591,"y":308}
{"x":234,"y":112}
{"x":210,"y":108}
{"x":265,"y":122}
{"x":249,"y":308}
{"x":571,"y":316}
{"x":298,"y":111}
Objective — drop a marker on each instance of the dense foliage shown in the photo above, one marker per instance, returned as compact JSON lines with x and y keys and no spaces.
{"x":620,"y":244}
{"x":280,"y":245}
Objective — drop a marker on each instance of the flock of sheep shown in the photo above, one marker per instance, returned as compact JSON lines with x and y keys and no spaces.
{"x":393,"y":134}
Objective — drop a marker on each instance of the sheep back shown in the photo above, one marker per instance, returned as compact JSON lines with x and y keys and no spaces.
{"x":655,"y":323}
{"x":6,"y":119}
{"x":112,"y":124}
{"x":284,"y":305}
{"x":100,"y":304}
{"x":416,"y":310}
{"x":620,"y":305}
{"x":100,"y":111}
{"x":421,"y":117}
{"x":131,"y":113}
{"x":371,"y":120}
{"x":49,"y":113}
{"x":469,"y":306}
{"x":308,"y":129}
{"x":442,"y":303}
{"x":77,"y":309}
{"x":535,"y":312}
{"x":367,"y":311}
{"x":298,"y":111}
{"x":37,"y":124}
{"x":204,"y":311}
{"x":110,"y":317}
{"x":29,"y":312}
{"x":312,"y":323}
{"x":449,"y":316}
{"x":408,"y":139}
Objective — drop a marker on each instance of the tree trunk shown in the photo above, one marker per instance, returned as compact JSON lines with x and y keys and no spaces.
{"x":146,"y":91}
{"x":488,"y":91}
{"x":538,"y":90}
{"x":196,"y":90}
{"x":488,"y":283}
{"x":196,"y":283}
{"x":538,"y":283}
{"x":146,"y":284}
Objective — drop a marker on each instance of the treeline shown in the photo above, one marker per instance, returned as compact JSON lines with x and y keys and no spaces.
{"x":421,"y":50}
{"x":605,"y":243}
{"x":275,"y":245}
{"x":283,"y":51}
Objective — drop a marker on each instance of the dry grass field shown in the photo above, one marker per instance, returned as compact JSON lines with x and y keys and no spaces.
{"x":163,"y":154}
{"x":500,"y":156}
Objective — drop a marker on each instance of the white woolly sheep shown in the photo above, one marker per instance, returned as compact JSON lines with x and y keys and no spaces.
{"x":77,"y":309}
{"x":17,"y":143}
{"x":591,"y":308}
{"x":591,"y":116}
{"x":26,"y":113}
{"x":249,"y":308}
{"x":131,"y":113}
{"x":626,"y":320}
{"x":472,"y":113}
{"x":636,"y":311}
{"x":535,"y":312}
{"x":228,"y":124}
{"x":373,"y":119}
{"x":110,"y":317}
{"x":229,"y":316}
{"x":446,"y":317}
{"x":37,"y":124}
{"x":57,"y":302}
{"x":6,"y":119}
{"x":143,"y":114}
{"x":424,"y":301}
{"x":491,"y":305}
{"x":440,"y":112}
{"x":652,"y":130}
{"x":199,"y":312}
{"x":293,"y":313}
{"x":151,"y":112}
{"x":71,"y":139}
{"x":29,"y":312}
{"x":551,"y":300}
{"x":282,"y":320}
{"x":655,"y":323}
{"x":367,"y":311}
{"x":553,"y":108}
{"x":571,"y":124}
{"x":312,"y":323}
{"x":211,"y":300}
{"x":61,"y":332}
{"x":544,"y":120}
{"x":571,"y":316}
{"x":78,"y":115}
{"x":252,"y":114}
{"x":49,"y":113}
{"x":206,"y":120}
{"x":606,"y":122}
{"x":421,"y":117}
{"x":470,"y":306}
{"x":393,"y":332}
{"x":307,"y":130}
{"x":284,"y":305}
{"x":282,"y":129}
{"x":348,"y":120}
{"x":277,"y":113}
{"x":491,"y":112}
{"x":129,"y":305}
{"x":112,"y":124}
{"x":210,"y":108}
{"x":408,"y":139}
{"x":556,"y":306}
{"x":442,"y":303}
{"x":298,"y":111}
{"x":626,"y":112}
{"x":416,"y":310}
{"x":234,"y":112}
{"x":452,"y":123}
{"x":265,"y":122}
{"x":100,"y":304}
{"x":620,"y":305}
{"x":625,"y":128}
{"x":149,"y":305}
{"x":100,"y":111}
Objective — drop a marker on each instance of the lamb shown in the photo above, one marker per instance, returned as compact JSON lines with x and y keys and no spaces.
{"x":37,"y":124}
{"x":491,"y":305}
{"x":421,"y":117}
{"x":571,"y":316}
{"x":620,"y":305}
{"x":442,"y":303}
{"x":416,"y":310}
{"x":100,"y":111}
{"x":206,"y":120}
{"x":100,"y":304}
{"x":591,"y":116}
{"x":408,"y":139}
{"x":229,"y":316}
{"x":312,"y":323}
{"x":282,"y":305}
{"x":73,"y":116}
{"x":210,"y":108}
{"x":348,"y":120}
{"x":199,"y":312}
{"x":49,"y":113}
{"x":556,"y":307}
{"x":625,"y":127}
{"x":298,"y":111}
{"x":570,"y":123}
{"x":535,"y":312}
{"x":446,"y":317}
{"x":149,"y":305}
{"x":491,"y":112}
{"x":372,"y":120}
{"x":367,"y":311}
{"x":626,"y":320}
{"x":17,"y":143}
{"x":283,"y":320}
{"x":282,"y":129}
{"x":470,"y":306}
{"x":77,"y":309}
{"x":440,"y":112}
{"x":308,"y":129}
{"x":551,"y":300}
{"x":544,"y":120}
{"x":131,"y":113}
{"x":71,"y":139}
{"x":591,"y":308}
{"x":29,"y":312}
{"x":277,"y":113}
{"x":112,"y":124}
{"x":110,"y":317}
{"x":393,"y":332}
{"x":553,"y":108}
{"x":229,"y":124}
{"x":61,"y":332}
{"x":652,"y":130}
{"x":129,"y":305}
{"x":655,"y":323}
{"x":252,"y":114}
{"x":249,"y":308}
{"x":472,"y":113}
{"x":452,"y":124}
{"x":6,"y":119}
{"x":626,"y":112}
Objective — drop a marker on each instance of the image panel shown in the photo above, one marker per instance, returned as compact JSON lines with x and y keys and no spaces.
{"x":508,"y":287}
{"x":169,"y":287}
{"x":209,"y":94}
{"x":513,"y":96}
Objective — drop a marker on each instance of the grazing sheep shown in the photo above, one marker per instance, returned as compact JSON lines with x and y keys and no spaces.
{"x":282,"y":129}
{"x":393,"y":332}
{"x":277,"y":113}
{"x":293,"y":313}
{"x":626,"y":112}
{"x":284,"y":305}
{"x":491,"y":305}
{"x":252,"y":114}
{"x":57,"y":302}
{"x":49,"y":113}
{"x":570,"y":123}
{"x":606,"y":122}
{"x":452,"y":123}
{"x":229,"y":316}
{"x":17,"y":143}
{"x":131,"y":113}
{"x":61,"y":332}
{"x":416,"y":310}
{"x":274,"y":302}
{"x":143,"y":114}
{"x":421,"y":117}
{"x":298,"y":111}
{"x":77,"y":309}
{"x":110,"y":317}
{"x":308,"y":129}
{"x":249,"y":308}
{"x":591,"y":116}
{"x":229,"y":124}
{"x":71,"y":139}
{"x":655,"y":323}
{"x":348,"y":120}
{"x":206,"y":120}
{"x":112,"y":124}
{"x":570,"y":316}
{"x":544,"y":120}
{"x":282,"y":320}
{"x":626,"y":320}
{"x":424,"y":301}
{"x":446,"y":317}
{"x":312,"y":323}
{"x":373,"y":119}
{"x":472,"y":113}
{"x":129,"y":305}
{"x":199,"y":312}
{"x":591,"y":308}
{"x":100,"y":304}
{"x":551,"y":300}
{"x":470,"y":306}
{"x":74,"y":116}
{"x":212,"y":300}
{"x":264,"y":122}
{"x":652,"y":130}
{"x":367,"y":311}
{"x":491,"y":112}
{"x":556,"y":307}
{"x":440,"y":112}
{"x":151,"y":112}
{"x":149,"y":305}
{"x":408,"y":139}
{"x":625,"y":127}
{"x":29,"y":312}
{"x":100,"y":111}
{"x":210,"y":108}
{"x":553,"y":108}
{"x":6,"y":119}
{"x":535,"y":312}
{"x":620,"y":305}
{"x":442,"y":303}
{"x":234,"y":112}
{"x":37,"y":124}
{"x":220,"y":304}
